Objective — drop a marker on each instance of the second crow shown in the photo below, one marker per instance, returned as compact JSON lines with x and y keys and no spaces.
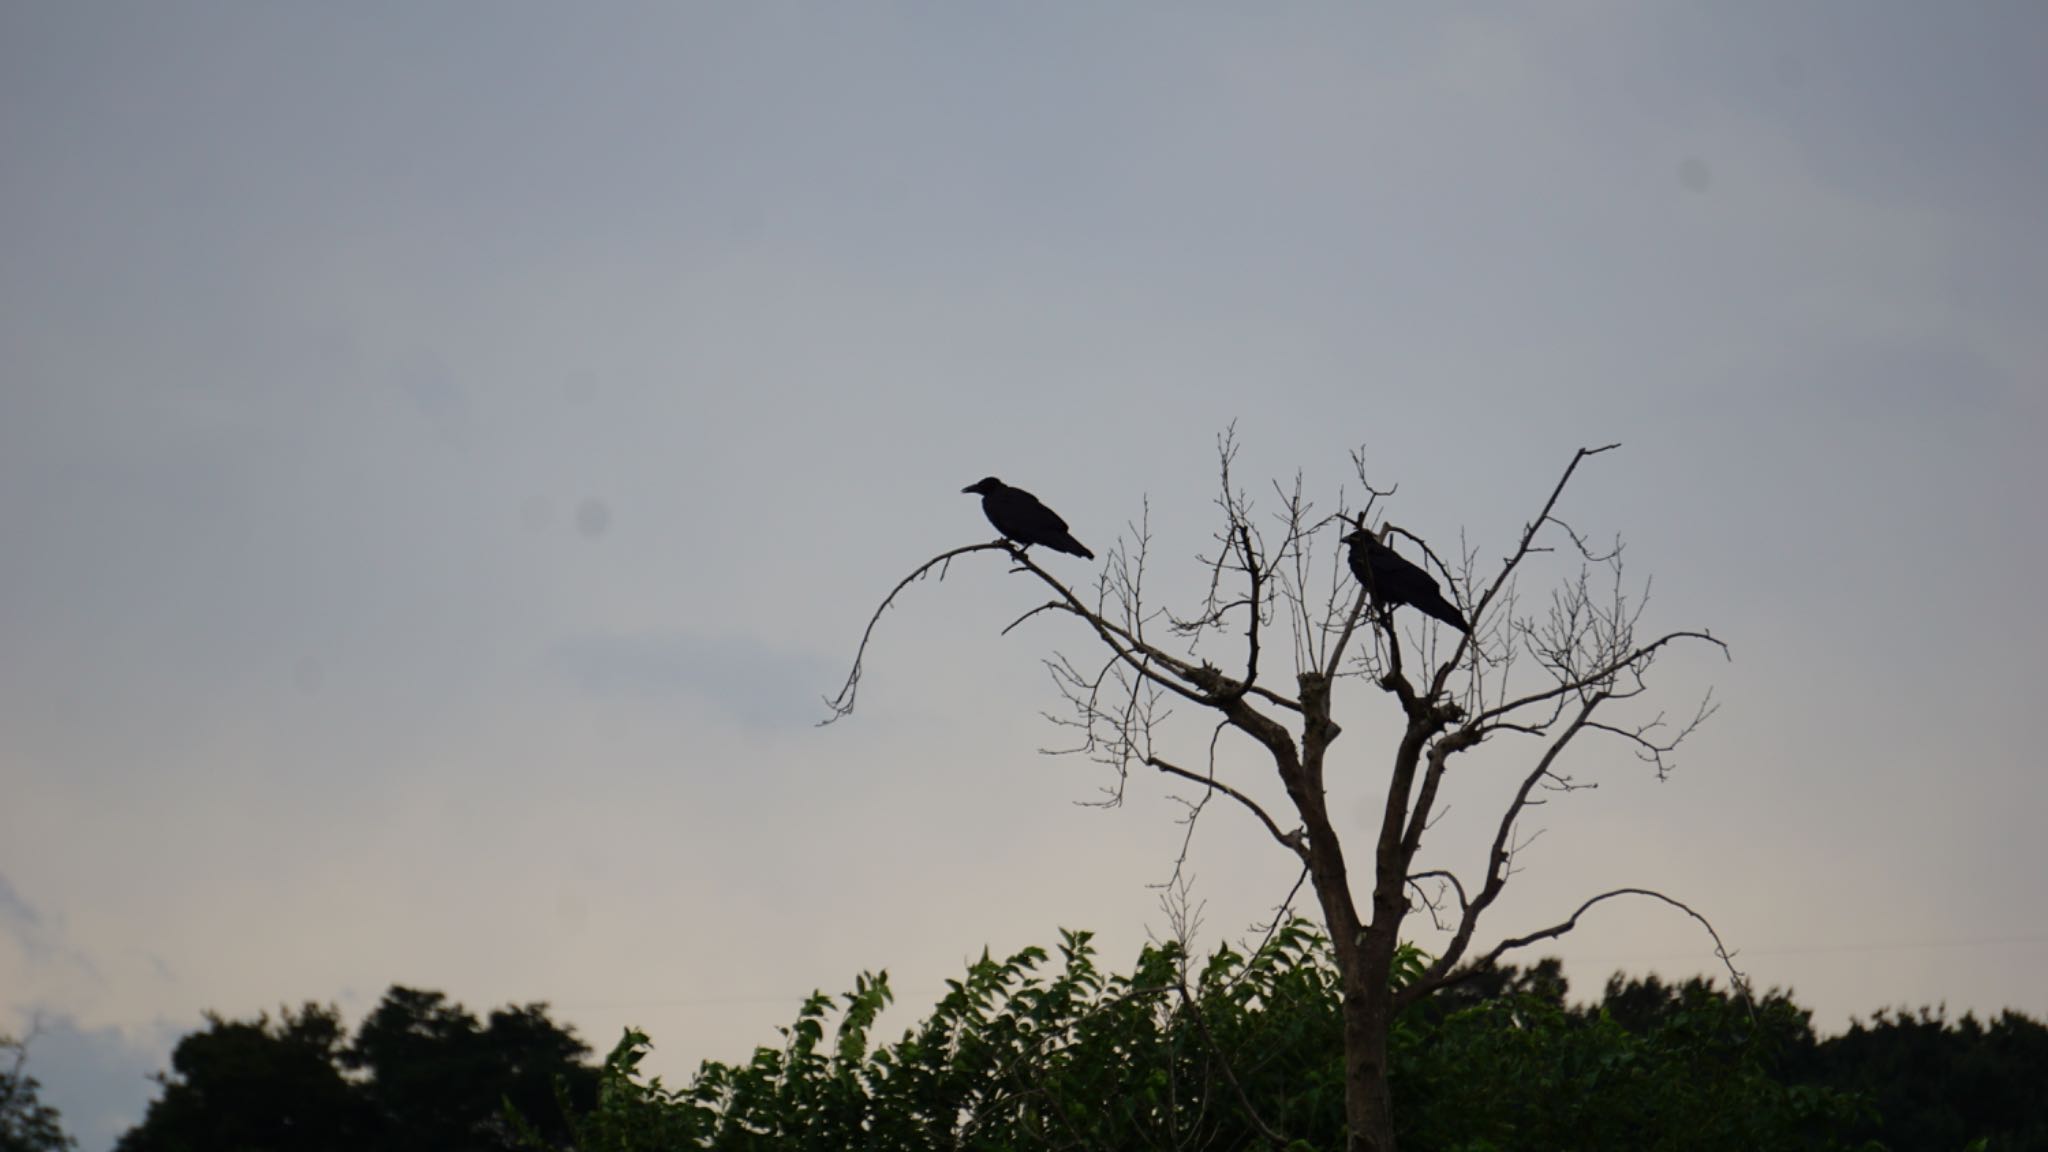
{"x":1392,"y":581}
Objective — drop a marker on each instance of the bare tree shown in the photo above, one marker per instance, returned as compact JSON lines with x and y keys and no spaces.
{"x":1547,"y":680}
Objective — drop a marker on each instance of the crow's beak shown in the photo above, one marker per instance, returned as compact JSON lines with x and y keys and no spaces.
{"x":967,"y":490}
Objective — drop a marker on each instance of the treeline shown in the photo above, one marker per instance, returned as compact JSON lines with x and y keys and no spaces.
{"x":1244,"y":1052}
{"x":420,"y":1075}
{"x":1037,"y":1051}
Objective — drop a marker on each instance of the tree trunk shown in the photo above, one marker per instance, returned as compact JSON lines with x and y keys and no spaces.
{"x":1364,"y":972}
{"x":1368,"y":1104}
{"x":1365,"y":954}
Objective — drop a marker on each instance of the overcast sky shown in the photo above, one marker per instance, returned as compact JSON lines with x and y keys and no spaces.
{"x":446,"y":451}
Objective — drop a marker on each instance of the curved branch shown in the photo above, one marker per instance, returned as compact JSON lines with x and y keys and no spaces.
{"x":1289,"y":840}
{"x":1595,"y":677}
{"x":842,"y":703}
{"x":1721,"y":953}
{"x":1126,"y":646}
{"x":1446,"y":876}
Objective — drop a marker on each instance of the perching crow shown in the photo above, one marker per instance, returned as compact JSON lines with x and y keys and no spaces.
{"x":1392,"y":581}
{"x":1022,"y":520}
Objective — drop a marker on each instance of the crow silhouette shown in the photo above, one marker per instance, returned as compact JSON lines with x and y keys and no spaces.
{"x":1392,"y":581}
{"x":1022,"y":520}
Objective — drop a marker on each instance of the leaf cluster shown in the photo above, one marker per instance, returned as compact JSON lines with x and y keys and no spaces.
{"x":1025,"y":1053}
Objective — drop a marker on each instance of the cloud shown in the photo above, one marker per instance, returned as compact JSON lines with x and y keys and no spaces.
{"x":16,"y":912}
{"x":752,"y":685}
{"x":23,"y":922}
{"x":46,"y":959}
{"x":96,"y":1078}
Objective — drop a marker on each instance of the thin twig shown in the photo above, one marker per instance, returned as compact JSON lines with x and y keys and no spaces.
{"x":842,"y":703}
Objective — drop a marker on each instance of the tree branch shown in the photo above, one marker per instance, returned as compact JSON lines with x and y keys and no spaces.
{"x":1499,"y":855}
{"x":1721,"y":953}
{"x":1514,"y":560}
{"x":1569,"y":686}
{"x":842,"y":703}
{"x":1289,"y":840}
{"x":1223,"y":1061}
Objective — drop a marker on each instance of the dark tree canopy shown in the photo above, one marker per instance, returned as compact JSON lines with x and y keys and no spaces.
{"x":1940,"y":1084}
{"x":259,"y":1083}
{"x":1024,"y":521}
{"x":434,"y":1071}
{"x":421,"y":1073}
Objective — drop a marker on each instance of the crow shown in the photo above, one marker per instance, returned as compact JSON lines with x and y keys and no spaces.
{"x":1022,"y":520}
{"x":1392,"y":581}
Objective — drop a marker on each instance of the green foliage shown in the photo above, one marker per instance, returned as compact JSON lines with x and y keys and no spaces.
{"x":1016,"y":1056}
{"x":26,"y":1123}
{"x":1237,"y":1052}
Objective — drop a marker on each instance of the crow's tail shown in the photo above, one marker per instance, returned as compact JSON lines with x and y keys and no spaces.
{"x":1065,"y":542}
{"x":1435,"y":605}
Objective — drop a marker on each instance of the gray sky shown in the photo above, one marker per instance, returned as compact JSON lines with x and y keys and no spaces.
{"x":446,"y":451}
